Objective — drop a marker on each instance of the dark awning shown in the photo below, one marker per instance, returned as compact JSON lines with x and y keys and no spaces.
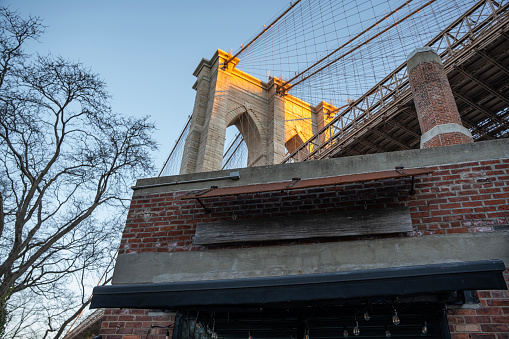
{"x":398,"y":281}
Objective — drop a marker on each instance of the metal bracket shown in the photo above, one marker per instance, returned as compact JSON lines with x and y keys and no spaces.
{"x":294,"y":181}
{"x":202,"y":205}
{"x":399,"y":169}
{"x":412,"y":189}
{"x":203,"y":192}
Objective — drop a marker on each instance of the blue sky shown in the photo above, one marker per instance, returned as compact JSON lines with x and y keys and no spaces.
{"x":146,"y":51}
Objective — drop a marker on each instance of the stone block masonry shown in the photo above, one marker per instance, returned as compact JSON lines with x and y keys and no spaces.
{"x":267,"y":121}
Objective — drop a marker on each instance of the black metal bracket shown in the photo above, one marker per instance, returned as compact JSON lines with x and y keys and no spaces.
{"x":294,"y":181}
{"x":412,"y":189}
{"x":202,"y":193}
{"x":202,"y":205}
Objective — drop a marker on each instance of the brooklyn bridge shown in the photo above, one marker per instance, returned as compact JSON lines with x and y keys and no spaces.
{"x":340,"y":69}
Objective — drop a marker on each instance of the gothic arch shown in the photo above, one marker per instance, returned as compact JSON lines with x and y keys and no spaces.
{"x":250,"y":129}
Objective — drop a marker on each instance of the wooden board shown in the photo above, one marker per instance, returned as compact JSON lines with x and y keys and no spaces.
{"x":393,"y":220}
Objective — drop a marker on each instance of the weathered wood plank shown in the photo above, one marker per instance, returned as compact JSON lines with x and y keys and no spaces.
{"x":377,"y":221}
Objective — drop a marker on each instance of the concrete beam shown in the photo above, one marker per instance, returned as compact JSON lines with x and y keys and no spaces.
{"x":312,"y":258}
{"x":486,"y":150}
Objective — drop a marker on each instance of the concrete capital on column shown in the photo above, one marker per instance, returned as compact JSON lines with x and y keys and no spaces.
{"x":422,"y":54}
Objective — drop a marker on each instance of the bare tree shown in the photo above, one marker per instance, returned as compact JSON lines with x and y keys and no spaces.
{"x":66,"y":162}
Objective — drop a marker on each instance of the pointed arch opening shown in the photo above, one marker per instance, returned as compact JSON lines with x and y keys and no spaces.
{"x":243,"y":146}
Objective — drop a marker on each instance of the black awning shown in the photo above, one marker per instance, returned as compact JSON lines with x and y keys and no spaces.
{"x":397,"y":281}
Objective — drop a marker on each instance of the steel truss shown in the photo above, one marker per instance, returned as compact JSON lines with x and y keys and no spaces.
{"x":485,"y":22}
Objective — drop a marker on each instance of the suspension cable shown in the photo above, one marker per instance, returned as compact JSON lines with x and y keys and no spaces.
{"x":285,"y":87}
{"x":259,"y":35}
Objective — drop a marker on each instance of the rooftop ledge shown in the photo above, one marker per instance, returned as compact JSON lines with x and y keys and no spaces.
{"x":334,"y":167}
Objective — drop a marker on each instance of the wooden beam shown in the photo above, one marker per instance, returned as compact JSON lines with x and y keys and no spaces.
{"x":337,"y":224}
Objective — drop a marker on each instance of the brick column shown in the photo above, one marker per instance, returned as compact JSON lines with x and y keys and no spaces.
{"x":437,"y":111}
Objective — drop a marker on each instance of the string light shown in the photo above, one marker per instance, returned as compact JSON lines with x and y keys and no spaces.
{"x":387,"y":332}
{"x":250,"y":336}
{"x":356,"y":330}
{"x":395,"y":318}
{"x":345,"y":332}
{"x":425,"y":328}
{"x":366,"y":315}
{"x":307,"y":334}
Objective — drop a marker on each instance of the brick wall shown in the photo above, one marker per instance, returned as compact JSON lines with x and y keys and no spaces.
{"x":134,"y":324}
{"x":491,"y":321}
{"x":461,"y":198}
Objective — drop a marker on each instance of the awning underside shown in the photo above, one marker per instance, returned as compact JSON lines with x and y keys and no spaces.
{"x":399,"y":281}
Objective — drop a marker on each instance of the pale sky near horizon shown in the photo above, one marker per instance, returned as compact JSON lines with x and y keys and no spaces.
{"x":146,"y":51}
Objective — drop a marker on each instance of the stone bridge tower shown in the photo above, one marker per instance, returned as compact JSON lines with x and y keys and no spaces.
{"x":269,"y":123}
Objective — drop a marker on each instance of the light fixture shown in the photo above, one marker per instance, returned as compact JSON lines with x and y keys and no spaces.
{"x":356,"y":330}
{"x":306,"y":336}
{"x":395,"y":318}
{"x":387,"y":332}
{"x":250,"y":336}
{"x":345,"y":332}
{"x":366,"y":315}
{"x":425,"y":328}
{"x":214,"y":335}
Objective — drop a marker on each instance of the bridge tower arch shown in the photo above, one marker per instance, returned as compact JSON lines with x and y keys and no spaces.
{"x":269,"y":123}
{"x":226,"y":96}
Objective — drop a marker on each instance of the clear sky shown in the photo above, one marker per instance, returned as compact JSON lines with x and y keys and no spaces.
{"x":146,"y":51}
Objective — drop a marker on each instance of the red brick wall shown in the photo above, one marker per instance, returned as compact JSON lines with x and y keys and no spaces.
{"x":134,"y":324}
{"x":489,"y":322}
{"x":470,"y":197}
{"x":461,"y":198}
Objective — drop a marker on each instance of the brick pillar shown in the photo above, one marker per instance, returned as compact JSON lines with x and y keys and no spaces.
{"x":437,"y":111}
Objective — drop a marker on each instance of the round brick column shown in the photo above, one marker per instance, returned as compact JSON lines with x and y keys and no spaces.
{"x":438,"y":114}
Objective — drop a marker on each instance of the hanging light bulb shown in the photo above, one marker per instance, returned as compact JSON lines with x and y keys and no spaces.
{"x":250,"y":336}
{"x":307,"y":334}
{"x":387,"y":332}
{"x":345,"y":332}
{"x":214,"y":335}
{"x":356,"y":330}
{"x":366,"y":315}
{"x":395,"y":318}
{"x":425,"y":328}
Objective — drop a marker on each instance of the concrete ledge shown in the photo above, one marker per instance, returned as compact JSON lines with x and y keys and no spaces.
{"x":479,"y":151}
{"x":422,"y":54}
{"x":310,"y":258}
{"x":442,"y":129}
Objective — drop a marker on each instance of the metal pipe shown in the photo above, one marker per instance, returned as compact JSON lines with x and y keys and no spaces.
{"x":232,"y":176}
